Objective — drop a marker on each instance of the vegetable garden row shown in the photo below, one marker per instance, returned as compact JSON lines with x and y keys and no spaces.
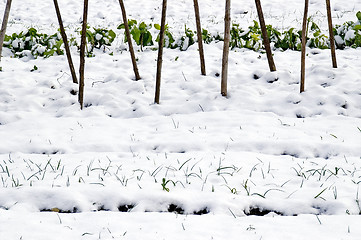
{"x":36,"y":44}
{"x":259,"y":37}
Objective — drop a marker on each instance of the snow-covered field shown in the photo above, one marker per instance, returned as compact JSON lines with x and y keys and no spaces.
{"x":196,"y":166}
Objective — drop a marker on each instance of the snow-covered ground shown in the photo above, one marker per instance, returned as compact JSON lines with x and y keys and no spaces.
{"x":197,"y":165}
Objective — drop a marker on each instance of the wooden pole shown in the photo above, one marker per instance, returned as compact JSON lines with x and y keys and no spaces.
{"x":332,"y":38}
{"x":199,"y":36}
{"x":127,"y":33}
{"x":266,"y":40}
{"x":303,"y":48}
{"x":82,"y":54}
{"x":65,"y":40}
{"x":160,"y":53}
{"x":227,"y":38}
{"x":3,"y":27}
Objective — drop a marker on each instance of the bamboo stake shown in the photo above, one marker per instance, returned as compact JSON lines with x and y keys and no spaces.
{"x":65,"y":40}
{"x":199,"y":36}
{"x":127,"y":33}
{"x":227,"y":36}
{"x":266,"y":41}
{"x":160,"y":52}
{"x":3,"y":27}
{"x":82,"y":54}
{"x":303,"y":49}
{"x":332,"y":38}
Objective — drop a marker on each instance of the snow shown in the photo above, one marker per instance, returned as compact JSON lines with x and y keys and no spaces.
{"x":110,"y":225}
{"x":196,"y":165}
{"x":98,"y":36}
{"x":349,"y":35}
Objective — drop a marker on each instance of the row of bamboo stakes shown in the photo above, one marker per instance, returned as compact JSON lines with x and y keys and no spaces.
{"x":227,"y":28}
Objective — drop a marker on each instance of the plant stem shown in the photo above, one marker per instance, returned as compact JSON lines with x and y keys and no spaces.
{"x":82,"y":54}
{"x":266,"y":41}
{"x":3,"y":27}
{"x":131,"y":49}
{"x":199,"y":36}
{"x":227,"y":36}
{"x":332,"y":38}
{"x":65,"y":40}
{"x":160,"y":52}
{"x":303,"y":49}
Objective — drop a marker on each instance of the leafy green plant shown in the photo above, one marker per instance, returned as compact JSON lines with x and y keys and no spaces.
{"x":206,"y":36}
{"x":358,"y":15}
{"x":187,"y":40}
{"x":250,"y":39}
{"x":253,"y":37}
{"x":168,"y":37}
{"x":236,"y":34}
{"x":140,"y":33}
{"x":290,"y":39}
{"x":102,"y":37}
{"x":32,"y":43}
{"x":96,"y":38}
{"x":318,"y":39}
{"x":349,"y":33}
